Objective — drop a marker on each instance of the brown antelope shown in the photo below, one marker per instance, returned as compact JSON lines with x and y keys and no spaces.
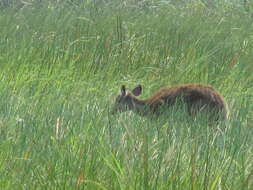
{"x":197,"y":97}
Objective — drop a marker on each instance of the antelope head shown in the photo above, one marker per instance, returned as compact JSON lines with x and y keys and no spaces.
{"x":127,"y":100}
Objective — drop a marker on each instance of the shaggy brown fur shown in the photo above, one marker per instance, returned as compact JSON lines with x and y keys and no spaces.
{"x":197,"y":97}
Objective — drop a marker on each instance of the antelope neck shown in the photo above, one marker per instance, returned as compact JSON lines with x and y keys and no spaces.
{"x":140,"y":106}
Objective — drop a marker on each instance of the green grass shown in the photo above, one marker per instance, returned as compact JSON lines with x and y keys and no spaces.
{"x":66,"y":62}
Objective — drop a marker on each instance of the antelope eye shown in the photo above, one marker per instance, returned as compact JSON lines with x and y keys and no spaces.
{"x":118,"y":99}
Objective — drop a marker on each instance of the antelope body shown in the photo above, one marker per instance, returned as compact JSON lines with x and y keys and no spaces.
{"x":197,"y":97}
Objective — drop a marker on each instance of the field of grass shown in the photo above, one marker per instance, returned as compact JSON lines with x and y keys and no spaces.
{"x":62,"y":65}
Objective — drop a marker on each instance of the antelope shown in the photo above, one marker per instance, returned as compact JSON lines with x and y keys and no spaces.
{"x":196,"y":97}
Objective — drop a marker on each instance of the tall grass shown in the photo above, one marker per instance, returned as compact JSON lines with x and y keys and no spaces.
{"x":63,"y":63}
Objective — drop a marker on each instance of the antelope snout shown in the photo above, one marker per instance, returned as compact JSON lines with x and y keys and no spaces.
{"x":113,"y":110}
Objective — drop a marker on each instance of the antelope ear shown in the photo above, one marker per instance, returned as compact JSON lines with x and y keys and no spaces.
{"x":137,"y":90}
{"x":123,"y":90}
